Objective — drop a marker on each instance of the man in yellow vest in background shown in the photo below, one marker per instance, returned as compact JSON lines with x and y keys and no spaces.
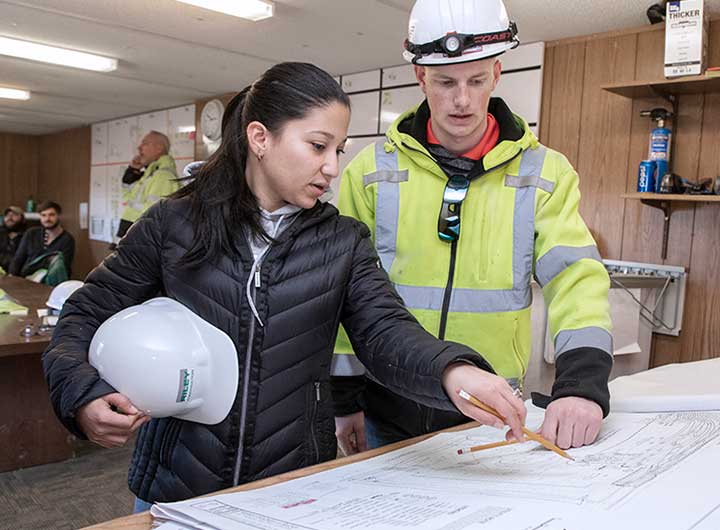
{"x":466,"y":206}
{"x":142,"y":189}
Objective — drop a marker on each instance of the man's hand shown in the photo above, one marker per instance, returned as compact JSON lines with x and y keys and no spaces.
{"x":571,"y":422}
{"x":108,"y":428}
{"x":136,"y":162}
{"x":490,"y":390}
{"x":350,"y":433}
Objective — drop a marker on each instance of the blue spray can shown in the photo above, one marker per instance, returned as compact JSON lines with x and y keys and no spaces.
{"x":660,"y":142}
{"x":646,"y":176}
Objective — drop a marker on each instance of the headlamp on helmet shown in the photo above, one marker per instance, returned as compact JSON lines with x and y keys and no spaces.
{"x":454,"y":44}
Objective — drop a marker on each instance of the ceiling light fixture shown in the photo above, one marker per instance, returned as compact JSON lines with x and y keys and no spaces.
{"x":250,"y":9}
{"x":14,"y":93}
{"x":54,"y":55}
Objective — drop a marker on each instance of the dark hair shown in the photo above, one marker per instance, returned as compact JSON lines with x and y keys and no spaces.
{"x":46,"y":205}
{"x":222,"y":206}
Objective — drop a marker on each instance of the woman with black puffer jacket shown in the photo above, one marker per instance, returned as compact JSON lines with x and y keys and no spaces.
{"x":249,"y":248}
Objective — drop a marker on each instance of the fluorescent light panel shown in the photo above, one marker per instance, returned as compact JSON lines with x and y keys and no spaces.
{"x":250,"y":9}
{"x":14,"y":93}
{"x":54,"y":55}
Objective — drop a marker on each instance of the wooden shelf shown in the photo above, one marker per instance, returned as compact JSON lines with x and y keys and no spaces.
{"x":665,"y":87}
{"x":663,"y":202}
{"x":671,"y":197}
{"x":669,"y":89}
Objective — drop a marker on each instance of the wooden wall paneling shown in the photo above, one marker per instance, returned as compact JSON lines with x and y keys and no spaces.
{"x":18,"y":169}
{"x":562,"y":115}
{"x":604,"y":140}
{"x":650,"y":55}
{"x":694,"y":231}
{"x":642,"y":226}
{"x":713,"y":58}
{"x":701,"y":336}
{"x":688,"y":128}
{"x":685,"y":162}
{"x":547,"y":95}
{"x":82,"y":142}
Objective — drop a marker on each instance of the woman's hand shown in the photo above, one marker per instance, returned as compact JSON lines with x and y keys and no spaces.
{"x":106,"y":427}
{"x":491,"y":390}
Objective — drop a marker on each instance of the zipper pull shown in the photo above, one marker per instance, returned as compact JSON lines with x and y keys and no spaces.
{"x":317,"y":390}
{"x":257,"y":278}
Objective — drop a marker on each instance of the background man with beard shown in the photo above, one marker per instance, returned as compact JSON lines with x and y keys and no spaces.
{"x":45,"y":239}
{"x":11,"y":234}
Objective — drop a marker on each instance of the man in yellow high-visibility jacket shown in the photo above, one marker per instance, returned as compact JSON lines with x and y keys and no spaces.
{"x":466,"y":206}
{"x":142,"y":189}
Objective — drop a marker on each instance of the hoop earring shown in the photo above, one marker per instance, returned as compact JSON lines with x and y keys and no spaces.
{"x":260,"y":154}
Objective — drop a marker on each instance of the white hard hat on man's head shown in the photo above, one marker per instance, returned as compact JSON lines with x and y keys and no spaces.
{"x":62,"y":292}
{"x":457,"y":31}
{"x":168,"y":361}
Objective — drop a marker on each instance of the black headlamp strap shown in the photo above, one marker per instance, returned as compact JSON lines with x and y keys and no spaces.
{"x":465,"y":41}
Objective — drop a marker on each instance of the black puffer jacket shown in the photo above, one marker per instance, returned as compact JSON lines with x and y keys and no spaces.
{"x":323,"y":269}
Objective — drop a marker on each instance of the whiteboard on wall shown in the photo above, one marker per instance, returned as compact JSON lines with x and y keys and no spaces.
{"x":522,"y":91}
{"x":364,"y":115}
{"x":114,"y":143}
{"x":395,"y":101}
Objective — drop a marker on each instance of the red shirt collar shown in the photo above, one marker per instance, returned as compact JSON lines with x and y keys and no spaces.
{"x":484,"y":146}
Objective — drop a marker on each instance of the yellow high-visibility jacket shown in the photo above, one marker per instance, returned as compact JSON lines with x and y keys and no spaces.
{"x":159,"y":180}
{"x":519,"y":220}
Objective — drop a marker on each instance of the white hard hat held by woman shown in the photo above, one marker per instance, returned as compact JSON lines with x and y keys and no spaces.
{"x":168,"y":361}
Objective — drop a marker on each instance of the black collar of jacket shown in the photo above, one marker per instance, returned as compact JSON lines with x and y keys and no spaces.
{"x":308,"y":218}
{"x":416,"y":126}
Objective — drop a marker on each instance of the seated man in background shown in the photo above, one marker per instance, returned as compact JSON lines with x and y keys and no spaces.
{"x":144,"y":188}
{"x":42,"y":246}
{"x":11,"y":233}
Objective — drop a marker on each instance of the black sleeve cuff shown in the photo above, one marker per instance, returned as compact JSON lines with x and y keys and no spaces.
{"x":475,"y":360}
{"x":98,"y":390}
{"x":131,"y":175}
{"x":582,"y":372}
{"x":348,"y":394}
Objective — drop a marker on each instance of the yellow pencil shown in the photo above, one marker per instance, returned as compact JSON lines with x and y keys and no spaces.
{"x":493,"y":445}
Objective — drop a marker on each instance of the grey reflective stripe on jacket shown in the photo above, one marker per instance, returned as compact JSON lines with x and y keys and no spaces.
{"x":592,"y":337}
{"x":559,"y":258}
{"x":387,"y":210}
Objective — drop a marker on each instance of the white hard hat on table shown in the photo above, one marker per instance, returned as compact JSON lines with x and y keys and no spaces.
{"x":62,"y":292}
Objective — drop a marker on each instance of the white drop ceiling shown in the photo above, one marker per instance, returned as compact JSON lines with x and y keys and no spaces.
{"x":173,"y":53}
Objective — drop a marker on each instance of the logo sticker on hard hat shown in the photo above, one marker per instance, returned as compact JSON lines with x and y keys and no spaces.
{"x":185,"y":386}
